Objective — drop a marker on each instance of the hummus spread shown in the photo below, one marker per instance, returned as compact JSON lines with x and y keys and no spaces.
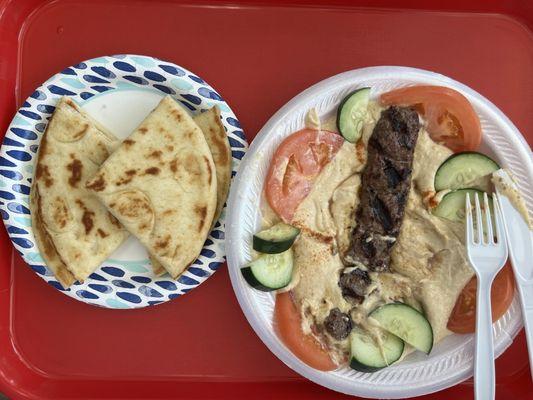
{"x":429,"y":267}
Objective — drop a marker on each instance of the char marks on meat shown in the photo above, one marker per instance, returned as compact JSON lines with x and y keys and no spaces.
{"x":385,"y":185}
{"x":338,"y":324}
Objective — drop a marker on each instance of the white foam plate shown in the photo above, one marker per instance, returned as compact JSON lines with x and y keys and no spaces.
{"x":451,"y":361}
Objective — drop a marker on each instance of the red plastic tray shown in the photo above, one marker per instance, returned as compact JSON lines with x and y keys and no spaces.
{"x":258,"y":56}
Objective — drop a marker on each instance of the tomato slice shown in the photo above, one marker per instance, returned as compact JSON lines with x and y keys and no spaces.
{"x":450,"y":117}
{"x":463,"y":318}
{"x":287,"y":322}
{"x":295,"y":165}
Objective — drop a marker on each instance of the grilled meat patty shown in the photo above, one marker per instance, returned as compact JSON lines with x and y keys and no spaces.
{"x":385,"y":185}
{"x":354,"y":284}
{"x":338,"y":324}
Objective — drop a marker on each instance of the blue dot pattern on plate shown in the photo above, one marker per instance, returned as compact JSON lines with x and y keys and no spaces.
{"x":116,"y":284}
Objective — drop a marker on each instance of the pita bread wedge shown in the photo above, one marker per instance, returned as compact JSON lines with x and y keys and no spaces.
{"x":217,"y":139}
{"x":161,"y":185}
{"x":73,"y":230}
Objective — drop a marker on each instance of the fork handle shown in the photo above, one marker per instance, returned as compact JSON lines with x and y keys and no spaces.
{"x":484,"y":364}
{"x":526,"y":295}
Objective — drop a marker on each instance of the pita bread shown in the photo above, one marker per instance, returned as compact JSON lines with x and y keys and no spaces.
{"x":217,"y":139}
{"x":73,"y":230}
{"x":161,"y":185}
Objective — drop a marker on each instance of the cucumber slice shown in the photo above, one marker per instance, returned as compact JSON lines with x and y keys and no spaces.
{"x":351,"y":114}
{"x":366,"y":355}
{"x":415,"y":304}
{"x":270,"y":271}
{"x":406,"y":323}
{"x":452,"y":205}
{"x":460,"y":170}
{"x":276,"y":239}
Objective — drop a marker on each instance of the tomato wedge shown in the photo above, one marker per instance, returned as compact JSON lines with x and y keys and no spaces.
{"x":450,"y":117}
{"x":295,"y":165}
{"x":463,"y":318}
{"x":287,"y":321}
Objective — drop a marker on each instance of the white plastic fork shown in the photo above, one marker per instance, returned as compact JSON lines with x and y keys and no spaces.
{"x":487,"y":253}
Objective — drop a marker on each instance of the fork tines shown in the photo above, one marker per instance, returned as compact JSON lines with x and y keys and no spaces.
{"x":475,"y":233}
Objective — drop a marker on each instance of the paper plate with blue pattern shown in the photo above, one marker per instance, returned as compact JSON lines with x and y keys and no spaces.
{"x":118,"y":91}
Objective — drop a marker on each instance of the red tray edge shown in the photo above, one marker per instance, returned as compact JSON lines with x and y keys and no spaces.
{"x":14,"y":18}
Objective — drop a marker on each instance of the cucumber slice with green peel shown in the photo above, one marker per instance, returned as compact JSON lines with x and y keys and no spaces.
{"x":276,"y":239}
{"x":460,"y":170}
{"x":406,"y":323}
{"x":452,"y":205}
{"x":366,"y":354}
{"x":270,"y":271}
{"x":415,"y":304}
{"x":351,"y":114}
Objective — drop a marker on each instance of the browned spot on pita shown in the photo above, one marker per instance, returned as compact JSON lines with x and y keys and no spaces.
{"x":209,"y":171}
{"x":134,"y":208}
{"x":201,"y":211}
{"x":174,"y":165}
{"x":102,"y":233}
{"x":80,"y":134}
{"x":220,"y":144}
{"x":177,"y":251}
{"x":123,"y":181}
{"x":170,"y":147}
{"x":101,"y":153}
{"x":98,"y":184}
{"x":61,"y":214}
{"x":44,"y":173}
{"x":87,"y":220}
{"x":128,"y":143}
{"x":130,"y":173}
{"x":143,"y":130}
{"x":189,"y":134}
{"x":75,"y":168}
{"x":155,"y":154}
{"x":177,"y":115}
{"x":80,"y":203}
{"x":152,"y":171}
{"x":168,"y":212}
{"x":70,"y":103}
{"x":162,"y":243}
{"x":48,"y":247}
{"x":191,"y":165}
{"x":48,"y":181}
{"x":43,"y":147}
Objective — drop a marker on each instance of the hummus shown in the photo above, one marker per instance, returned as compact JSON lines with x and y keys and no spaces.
{"x":428,"y":263}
